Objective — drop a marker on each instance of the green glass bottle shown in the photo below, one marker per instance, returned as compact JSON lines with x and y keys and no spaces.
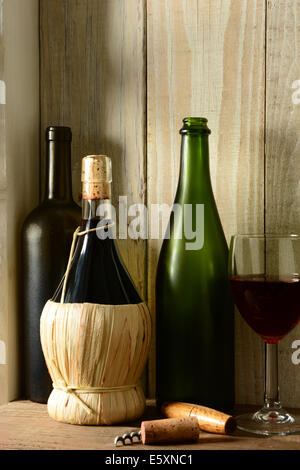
{"x":194,"y":308}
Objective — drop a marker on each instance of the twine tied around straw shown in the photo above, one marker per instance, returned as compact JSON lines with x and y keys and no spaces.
{"x":75,"y":390}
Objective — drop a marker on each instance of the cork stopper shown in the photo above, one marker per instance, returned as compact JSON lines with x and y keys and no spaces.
{"x":184,"y":429}
{"x":96,"y":177}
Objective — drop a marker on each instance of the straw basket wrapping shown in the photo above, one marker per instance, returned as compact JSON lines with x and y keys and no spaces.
{"x":95,"y":355}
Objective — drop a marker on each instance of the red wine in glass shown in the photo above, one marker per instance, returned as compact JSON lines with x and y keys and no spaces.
{"x":270,"y":304}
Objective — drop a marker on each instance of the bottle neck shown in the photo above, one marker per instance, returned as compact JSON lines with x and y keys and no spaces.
{"x":58,"y":171}
{"x":194,"y":164}
{"x":96,"y":202}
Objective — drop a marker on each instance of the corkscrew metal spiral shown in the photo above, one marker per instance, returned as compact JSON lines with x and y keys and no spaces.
{"x":129,"y":437}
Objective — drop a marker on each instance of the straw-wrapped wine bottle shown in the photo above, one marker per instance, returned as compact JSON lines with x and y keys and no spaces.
{"x":95,"y":332}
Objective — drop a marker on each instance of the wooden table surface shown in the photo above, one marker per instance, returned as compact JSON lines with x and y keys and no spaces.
{"x":26,"y":425}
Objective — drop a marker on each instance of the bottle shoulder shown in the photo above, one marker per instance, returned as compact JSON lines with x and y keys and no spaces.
{"x":206,"y":254}
{"x":98,"y":274}
{"x":54,"y":209}
{"x":57,"y":205}
{"x":52,"y":216}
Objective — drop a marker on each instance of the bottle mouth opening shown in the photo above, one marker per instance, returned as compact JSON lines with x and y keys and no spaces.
{"x":194,"y":125}
{"x":59,"y":133}
{"x":194,"y":120}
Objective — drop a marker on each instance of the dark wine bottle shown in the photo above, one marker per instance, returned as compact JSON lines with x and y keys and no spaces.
{"x":195,"y":315}
{"x":46,"y":238}
{"x":97,"y":274}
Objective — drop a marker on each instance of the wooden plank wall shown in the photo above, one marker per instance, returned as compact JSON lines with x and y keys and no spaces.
{"x":283,"y":151}
{"x":123,"y":74}
{"x":19,"y":170}
{"x":92,"y":79}
{"x":3,"y":240}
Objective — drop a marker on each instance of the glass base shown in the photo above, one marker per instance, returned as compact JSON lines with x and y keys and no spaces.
{"x":268,"y":422}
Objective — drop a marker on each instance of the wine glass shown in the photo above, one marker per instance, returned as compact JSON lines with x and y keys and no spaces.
{"x":264,"y":276}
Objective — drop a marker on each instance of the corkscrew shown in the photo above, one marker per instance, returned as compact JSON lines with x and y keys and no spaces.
{"x":184,"y":422}
{"x":184,"y":429}
{"x":128,"y":437}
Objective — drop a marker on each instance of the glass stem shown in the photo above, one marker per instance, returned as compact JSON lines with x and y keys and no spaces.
{"x":271,"y":377}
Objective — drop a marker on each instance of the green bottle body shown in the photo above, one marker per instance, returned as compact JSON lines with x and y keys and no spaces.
{"x":194,"y":307}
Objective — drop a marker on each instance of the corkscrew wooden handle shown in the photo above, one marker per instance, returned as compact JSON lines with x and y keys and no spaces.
{"x":209,"y":420}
